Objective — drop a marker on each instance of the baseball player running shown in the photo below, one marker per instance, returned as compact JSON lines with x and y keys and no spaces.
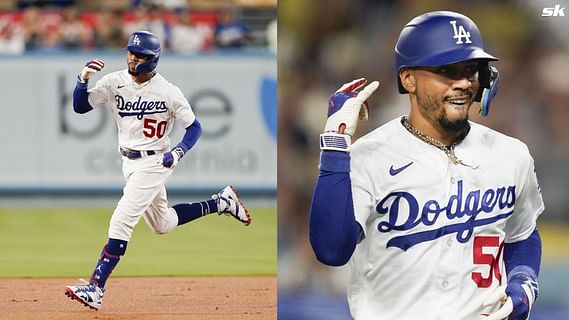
{"x":145,"y":106}
{"x":435,"y":214}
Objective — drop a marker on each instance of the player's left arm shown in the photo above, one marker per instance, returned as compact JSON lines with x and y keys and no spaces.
{"x":522,"y":260}
{"x":193,"y":133}
{"x":522,"y":253}
{"x":182,"y":112}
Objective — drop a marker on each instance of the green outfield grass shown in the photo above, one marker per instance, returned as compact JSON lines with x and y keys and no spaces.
{"x":66,"y":243}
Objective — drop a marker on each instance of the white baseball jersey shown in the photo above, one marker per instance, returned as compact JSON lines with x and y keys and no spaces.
{"x":145,"y":114}
{"x":434,"y":231}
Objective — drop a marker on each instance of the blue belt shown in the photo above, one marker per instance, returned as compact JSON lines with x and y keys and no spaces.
{"x":135,"y":154}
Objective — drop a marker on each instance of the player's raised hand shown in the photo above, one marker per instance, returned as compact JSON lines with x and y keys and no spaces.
{"x":90,"y":69}
{"x":345,"y":107}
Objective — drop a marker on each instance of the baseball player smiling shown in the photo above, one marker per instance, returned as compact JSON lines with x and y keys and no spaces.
{"x":145,"y":107}
{"x":435,"y":214}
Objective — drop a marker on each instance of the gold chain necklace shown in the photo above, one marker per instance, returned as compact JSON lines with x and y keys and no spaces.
{"x":448,"y":150}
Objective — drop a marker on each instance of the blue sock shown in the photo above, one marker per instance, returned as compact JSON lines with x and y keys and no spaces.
{"x":108,"y":260}
{"x":191,"y":211}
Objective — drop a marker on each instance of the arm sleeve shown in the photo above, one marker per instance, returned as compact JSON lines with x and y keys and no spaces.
{"x":524,"y":254}
{"x":193,"y":133}
{"x":333,"y":229}
{"x":81,"y":98}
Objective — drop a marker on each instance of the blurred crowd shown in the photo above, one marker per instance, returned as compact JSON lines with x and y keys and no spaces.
{"x":56,"y":26}
{"x":322,"y":47}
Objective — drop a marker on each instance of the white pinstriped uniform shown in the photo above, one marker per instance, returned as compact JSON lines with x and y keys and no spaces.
{"x":434,"y":231}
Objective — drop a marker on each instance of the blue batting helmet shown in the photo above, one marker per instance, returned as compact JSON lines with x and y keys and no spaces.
{"x":444,"y":37}
{"x":146,"y":43}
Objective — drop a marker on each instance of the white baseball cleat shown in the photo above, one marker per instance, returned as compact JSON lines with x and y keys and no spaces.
{"x":88,"y":294}
{"x":228,"y":203}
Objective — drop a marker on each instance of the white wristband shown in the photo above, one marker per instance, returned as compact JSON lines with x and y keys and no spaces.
{"x":335,"y":141}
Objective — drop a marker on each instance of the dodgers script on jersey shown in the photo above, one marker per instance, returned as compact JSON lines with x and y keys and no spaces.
{"x":145,"y":113}
{"x":434,"y":231}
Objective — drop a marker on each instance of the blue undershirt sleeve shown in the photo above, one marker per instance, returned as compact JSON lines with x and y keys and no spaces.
{"x":524,"y":253}
{"x":80,"y":98}
{"x":193,"y":133}
{"x":333,"y":229}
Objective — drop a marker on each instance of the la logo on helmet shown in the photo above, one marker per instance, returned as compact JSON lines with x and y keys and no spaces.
{"x":460,"y":33}
{"x":136,"y":40}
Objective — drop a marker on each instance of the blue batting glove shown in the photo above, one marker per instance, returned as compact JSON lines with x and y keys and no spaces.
{"x":517,"y":300}
{"x":171,"y":158}
{"x":523,"y":290}
{"x":345,"y":106}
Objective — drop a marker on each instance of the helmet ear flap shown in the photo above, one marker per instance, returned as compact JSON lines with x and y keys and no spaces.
{"x":149,"y":65}
{"x":483,"y":78}
{"x":489,"y":79}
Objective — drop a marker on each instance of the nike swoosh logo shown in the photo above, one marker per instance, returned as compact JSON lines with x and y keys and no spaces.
{"x":120,"y":86}
{"x":393,"y":171}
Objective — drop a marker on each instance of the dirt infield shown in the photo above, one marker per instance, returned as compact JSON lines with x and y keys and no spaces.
{"x":206,"y":298}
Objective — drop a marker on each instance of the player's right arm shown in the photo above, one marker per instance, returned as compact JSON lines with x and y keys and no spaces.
{"x":333,"y":229}
{"x":80,"y":95}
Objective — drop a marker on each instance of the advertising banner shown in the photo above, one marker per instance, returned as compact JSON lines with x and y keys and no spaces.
{"x":49,"y":147}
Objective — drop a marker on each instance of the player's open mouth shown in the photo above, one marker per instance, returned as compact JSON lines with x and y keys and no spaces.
{"x":458,"y":101}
